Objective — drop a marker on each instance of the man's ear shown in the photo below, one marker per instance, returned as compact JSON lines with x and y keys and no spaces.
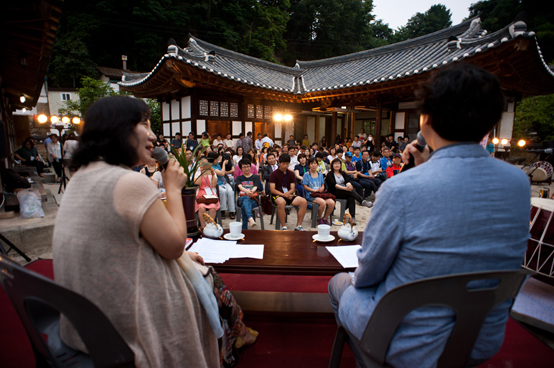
{"x":424,"y":119}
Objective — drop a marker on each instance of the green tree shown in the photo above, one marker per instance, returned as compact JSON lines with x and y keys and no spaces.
{"x":535,"y":115}
{"x":539,"y":16}
{"x":155,"y":115}
{"x":325,"y":28}
{"x":436,"y":18}
{"x":92,"y":90}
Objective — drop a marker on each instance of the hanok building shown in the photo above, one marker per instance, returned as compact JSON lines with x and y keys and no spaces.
{"x":204,"y":87}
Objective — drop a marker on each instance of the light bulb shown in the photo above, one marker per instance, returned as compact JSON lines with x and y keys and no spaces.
{"x":495,"y":140}
{"x":278,"y":117}
{"x":54,"y":119}
{"x":42,"y":118}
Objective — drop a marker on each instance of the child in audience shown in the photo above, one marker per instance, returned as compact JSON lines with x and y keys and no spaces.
{"x":376,"y":169}
{"x":396,"y":165}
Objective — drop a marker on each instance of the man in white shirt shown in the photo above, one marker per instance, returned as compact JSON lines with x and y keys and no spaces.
{"x":293,"y":158}
{"x":228,"y":142}
{"x":357,"y":142}
{"x":258,"y":144}
{"x":267,"y":140}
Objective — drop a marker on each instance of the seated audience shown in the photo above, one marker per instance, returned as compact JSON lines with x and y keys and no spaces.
{"x":357,"y":154}
{"x":299,"y":171}
{"x":365,"y":177}
{"x":339,"y":184}
{"x":459,"y":105}
{"x":376,"y":169}
{"x":226,"y":190}
{"x":385,"y":161}
{"x":282,"y":184}
{"x":249,"y":186}
{"x":28,"y":155}
{"x":313,"y":182}
{"x":306,"y":141}
{"x":190,"y":143}
{"x":238,"y":156}
{"x":207,"y":183}
{"x":268,"y":169}
{"x":396,"y":165}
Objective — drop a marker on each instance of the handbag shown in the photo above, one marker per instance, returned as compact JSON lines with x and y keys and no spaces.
{"x":323,"y":195}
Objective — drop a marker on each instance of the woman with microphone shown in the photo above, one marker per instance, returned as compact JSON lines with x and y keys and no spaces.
{"x":118,"y":245}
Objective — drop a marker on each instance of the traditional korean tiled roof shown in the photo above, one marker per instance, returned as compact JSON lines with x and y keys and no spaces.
{"x":383,"y":64}
{"x":406,"y":58}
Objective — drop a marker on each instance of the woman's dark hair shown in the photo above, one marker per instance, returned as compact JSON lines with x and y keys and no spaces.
{"x":242,"y":149}
{"x":109,"y":123}
{"x":301,"y":156}
{"x":311,"y":160}
{"x":464,"y":102}
{"x":340,"y":167}
{"x":30,"y":140}
{"x":212,"y":156}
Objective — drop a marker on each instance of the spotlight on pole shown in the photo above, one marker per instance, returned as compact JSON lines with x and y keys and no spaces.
{"x":504,"y":142}
{"x":42,"y":118}
{"x":54,"y":119}
{"x":76,"y":120}
{"x":495,"y":140}
{"x":288,"y":117}
{"x":65,"y":120}
{"x":278,"y":117}
{"x":521,"y":143}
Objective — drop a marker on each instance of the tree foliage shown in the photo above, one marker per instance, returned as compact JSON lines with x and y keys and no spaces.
{"x":436,"y":18}
{"x":539,"y":16}
{"x":535,"y":115}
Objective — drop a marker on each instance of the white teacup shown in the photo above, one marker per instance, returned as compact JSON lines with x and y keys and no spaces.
{"x":235,"y":229}
{"x":324,"y":231}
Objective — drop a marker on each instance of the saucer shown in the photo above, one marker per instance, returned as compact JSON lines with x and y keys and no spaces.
{"x":228,"y":236}
{"x":326,"y":240}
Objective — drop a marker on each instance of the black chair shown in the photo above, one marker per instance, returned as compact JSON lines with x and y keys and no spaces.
{"x":470,"y":306}
{"x":39,"y":302}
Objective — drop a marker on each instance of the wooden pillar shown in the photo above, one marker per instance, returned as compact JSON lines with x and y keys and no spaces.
{"x":316,"y":134}
{"x":379,"y":113}
{"x":393,"y":122}
{"x":332,"y":138}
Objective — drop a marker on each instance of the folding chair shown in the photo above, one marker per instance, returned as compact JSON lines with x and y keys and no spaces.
{"x":39,"y":302}
{"x":471,"y":307}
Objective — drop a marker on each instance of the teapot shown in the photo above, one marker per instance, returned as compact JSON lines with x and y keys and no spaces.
{"x":212,"y":229}
{"x":347,"y":231}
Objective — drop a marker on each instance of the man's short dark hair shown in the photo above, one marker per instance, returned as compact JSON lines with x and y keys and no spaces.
{"x":320,"y":155}
{"x":303,"y":147}
{"x":464,"y":102}
{"x":276,"y":146}
{"x":249,"y":133}
{"x":244,"y":161}
{"x":376,"y":153}
{"x":247,"y":156}
{"x":357,"y":148}
{"x":241,"y":135}
{"x":339,"y":150}
{"x":270,"y":154}
{"x":284,"y":158}
{"x":312,"y":159}
{"x":364,"y":151}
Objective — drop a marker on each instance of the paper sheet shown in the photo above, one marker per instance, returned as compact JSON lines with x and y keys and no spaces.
{"x":219,"y":251}
{"x":213,"y":251}
{"x":345,"y":255}
{"x":249,"y":251}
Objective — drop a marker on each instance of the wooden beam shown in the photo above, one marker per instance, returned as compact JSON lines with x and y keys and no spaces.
{"x":378,"y":123}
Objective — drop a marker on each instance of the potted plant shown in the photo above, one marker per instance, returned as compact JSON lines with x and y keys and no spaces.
{"x":188,"y":193}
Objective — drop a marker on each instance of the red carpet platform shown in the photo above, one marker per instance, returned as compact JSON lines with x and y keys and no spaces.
{"x":284,"y":341}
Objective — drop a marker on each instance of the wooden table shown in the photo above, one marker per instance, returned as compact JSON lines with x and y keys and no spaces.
{"x":288,"y":253}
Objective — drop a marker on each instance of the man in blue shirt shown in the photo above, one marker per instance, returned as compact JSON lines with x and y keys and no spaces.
{"x":452,"y":221}
{"x":386,"y":161}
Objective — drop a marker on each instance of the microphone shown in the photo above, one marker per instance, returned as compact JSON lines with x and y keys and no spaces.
{"x":548,"y":151}
{"x":160,"y":155}
{"x":420,"y":145}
